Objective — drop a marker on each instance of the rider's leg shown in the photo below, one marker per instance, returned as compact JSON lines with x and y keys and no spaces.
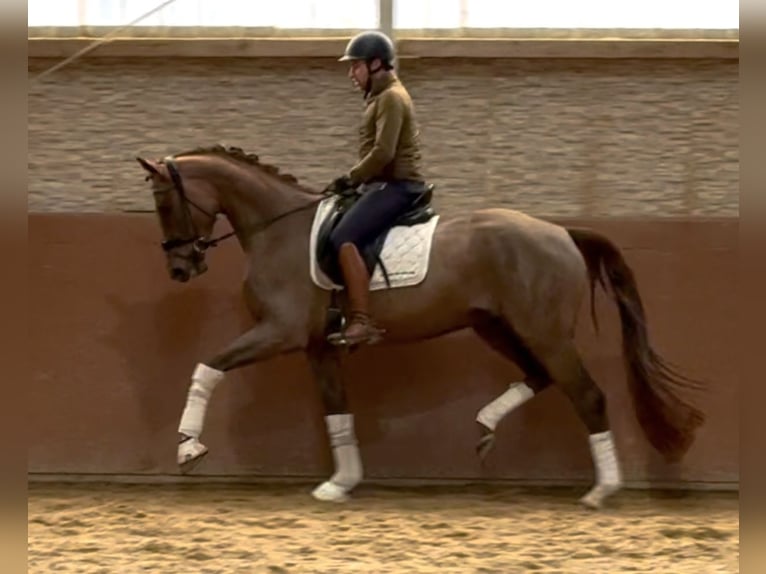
{"x":370,"y":216}
{"x":361,"y":328}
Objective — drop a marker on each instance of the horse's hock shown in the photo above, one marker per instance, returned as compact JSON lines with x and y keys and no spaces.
{"x":116,"y":342}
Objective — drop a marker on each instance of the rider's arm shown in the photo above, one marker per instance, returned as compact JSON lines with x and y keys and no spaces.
{"x":389,"y":116}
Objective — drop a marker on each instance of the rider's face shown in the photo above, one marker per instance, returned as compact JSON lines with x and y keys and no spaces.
{"x":358,"y":73}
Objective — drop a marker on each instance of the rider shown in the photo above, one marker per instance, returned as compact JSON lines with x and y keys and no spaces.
{"x":388,"y":173}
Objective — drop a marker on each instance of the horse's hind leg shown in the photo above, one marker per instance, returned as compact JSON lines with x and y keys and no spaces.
{"x":325,"y":364}
{"x":501,"y":337}
{"x":566,"y":368}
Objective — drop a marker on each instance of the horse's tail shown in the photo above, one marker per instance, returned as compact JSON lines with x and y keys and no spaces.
{"x":667,"y":420}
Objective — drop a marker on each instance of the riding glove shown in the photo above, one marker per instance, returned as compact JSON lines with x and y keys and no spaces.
{"x":341,"y":184}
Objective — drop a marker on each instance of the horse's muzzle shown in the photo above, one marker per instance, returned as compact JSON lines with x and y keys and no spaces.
{"x":184,"y":270}
{"x":180,"y":274}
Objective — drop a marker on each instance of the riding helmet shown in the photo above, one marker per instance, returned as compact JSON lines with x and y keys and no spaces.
{"x":369,"y":46}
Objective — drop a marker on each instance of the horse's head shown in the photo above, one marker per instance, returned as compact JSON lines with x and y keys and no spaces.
{"x":187,"y":212}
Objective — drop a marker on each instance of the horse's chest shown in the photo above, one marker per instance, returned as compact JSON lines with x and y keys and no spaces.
{"x":255,"y":304}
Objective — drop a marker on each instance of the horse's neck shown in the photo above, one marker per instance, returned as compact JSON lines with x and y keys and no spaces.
{"x":252,"y":200}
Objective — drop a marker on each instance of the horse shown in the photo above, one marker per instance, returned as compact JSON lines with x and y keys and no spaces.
{"x":517,"y":281}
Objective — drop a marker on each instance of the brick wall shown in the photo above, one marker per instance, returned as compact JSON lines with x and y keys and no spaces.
{"x":552,"y":137}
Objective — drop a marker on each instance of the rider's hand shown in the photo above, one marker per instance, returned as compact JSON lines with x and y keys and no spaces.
{"x":340,"y":184}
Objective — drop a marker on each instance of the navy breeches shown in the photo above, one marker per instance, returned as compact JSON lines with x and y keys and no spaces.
{"x":374,"y":212}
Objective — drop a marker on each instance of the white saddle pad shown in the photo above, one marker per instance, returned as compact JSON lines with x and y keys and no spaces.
{"x":405,"y":253}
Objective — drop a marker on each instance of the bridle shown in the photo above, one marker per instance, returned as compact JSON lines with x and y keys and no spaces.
{"x":200,"y":243}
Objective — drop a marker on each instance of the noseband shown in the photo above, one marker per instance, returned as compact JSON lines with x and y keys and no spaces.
{"x":200,"y":243}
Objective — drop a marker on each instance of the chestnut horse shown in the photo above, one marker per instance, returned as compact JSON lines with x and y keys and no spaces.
{"x":517,"y":281}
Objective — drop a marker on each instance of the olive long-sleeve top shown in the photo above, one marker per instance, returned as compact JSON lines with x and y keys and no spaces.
{"x":389,"y":145}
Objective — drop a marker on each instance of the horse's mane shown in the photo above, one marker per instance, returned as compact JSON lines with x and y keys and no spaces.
{"x":236,"y":153}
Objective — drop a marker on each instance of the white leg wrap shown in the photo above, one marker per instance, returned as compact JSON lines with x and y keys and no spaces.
{"x":608,"y":476}
{"x":204,"y":381}
{"x":605,"y":458}
{"x":515,"y":396}
{"x":348,"y":463}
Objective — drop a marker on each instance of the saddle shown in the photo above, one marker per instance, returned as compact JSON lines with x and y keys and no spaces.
{"x":420,"y":211}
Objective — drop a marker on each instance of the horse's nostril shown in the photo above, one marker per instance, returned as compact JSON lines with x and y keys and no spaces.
{"x":178,"y":274}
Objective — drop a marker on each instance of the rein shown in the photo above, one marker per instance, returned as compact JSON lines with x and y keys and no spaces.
{"x":200,"y":243}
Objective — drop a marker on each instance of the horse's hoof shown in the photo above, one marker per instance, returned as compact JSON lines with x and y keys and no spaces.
{"x":190,"y":454}
{"x":594,"y":500}
{"x":486,"y":442}
{"x":330,"y":492}
{"x":484,"y":446}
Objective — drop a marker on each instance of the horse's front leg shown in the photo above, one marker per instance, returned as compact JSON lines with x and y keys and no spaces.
{"x":325,"y":364}
{"x":264,"y":341}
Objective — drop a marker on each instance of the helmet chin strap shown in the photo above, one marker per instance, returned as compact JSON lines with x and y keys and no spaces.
{"x":370,"y":73}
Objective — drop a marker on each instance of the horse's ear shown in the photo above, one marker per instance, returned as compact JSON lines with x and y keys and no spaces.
{"x":149,"y":166}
